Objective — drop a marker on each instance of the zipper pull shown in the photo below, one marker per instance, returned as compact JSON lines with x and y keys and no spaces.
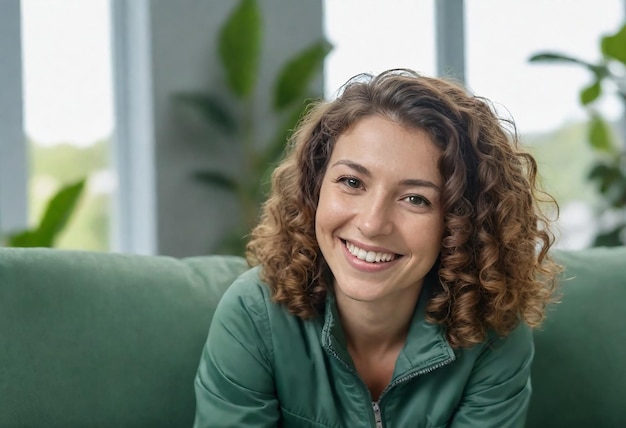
{"x":377,"y":416}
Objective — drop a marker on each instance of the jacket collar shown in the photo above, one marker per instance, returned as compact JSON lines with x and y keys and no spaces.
{"x":426,"y":347}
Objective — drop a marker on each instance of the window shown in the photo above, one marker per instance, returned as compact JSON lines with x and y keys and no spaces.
{"x":68,"y":111}
{"x":499,"y":39}
{"x":376,"y":35}
{"x":543,"y":98}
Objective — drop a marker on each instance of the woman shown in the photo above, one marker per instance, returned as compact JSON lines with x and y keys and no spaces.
{"x":401,"y":262}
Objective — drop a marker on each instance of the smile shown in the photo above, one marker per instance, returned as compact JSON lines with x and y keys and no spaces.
{"x":369,"y":256}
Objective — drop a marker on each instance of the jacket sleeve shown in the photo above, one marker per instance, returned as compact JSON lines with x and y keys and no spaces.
{"x":498,"y":390}
{"x":234,"y":384}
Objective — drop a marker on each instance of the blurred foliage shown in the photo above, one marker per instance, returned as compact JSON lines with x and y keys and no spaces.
{"x":608,"y":172}
{"x":54,"y":219}
{"x":231,"y":116}
{"x":565,"y":183}
{"x":56,"y":167}
{"x":90,"y":228}
{"x":67,"y":162}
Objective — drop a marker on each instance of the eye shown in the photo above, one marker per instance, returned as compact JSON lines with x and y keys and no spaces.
{"x":351,"y":182}
{"x":418,"y":201}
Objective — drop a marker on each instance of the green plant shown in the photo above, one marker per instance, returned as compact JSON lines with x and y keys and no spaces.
{"x":609,"y":168}
{"x":53,"y":221}
{"x":232,"y":117}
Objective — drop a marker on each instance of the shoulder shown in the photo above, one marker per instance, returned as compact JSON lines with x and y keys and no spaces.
{"x":504,"y":356}
{"x":248,"y":286}
{"x":518,"y":342}
{"x":247,"y":292}
{"x":497,"y":390}
{"x":242,"y":313}
{"x":246,"y":297}
{"x":249,"y":296}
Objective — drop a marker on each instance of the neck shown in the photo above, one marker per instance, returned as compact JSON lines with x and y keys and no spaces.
{"x":375,"y":328}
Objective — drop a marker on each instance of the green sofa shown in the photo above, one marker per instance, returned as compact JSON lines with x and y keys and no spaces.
{"x":110,"y":340}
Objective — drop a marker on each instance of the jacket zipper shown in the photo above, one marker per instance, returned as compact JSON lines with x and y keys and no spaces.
{"x":376,"y":404}
{"x":377,"y":416}
{"x":415,"y":374}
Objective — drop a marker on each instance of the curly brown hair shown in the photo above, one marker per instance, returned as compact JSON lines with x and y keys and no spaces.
{"x":494,"y":268}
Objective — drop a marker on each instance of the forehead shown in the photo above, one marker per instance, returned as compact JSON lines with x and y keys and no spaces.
{"x":384,"y":145}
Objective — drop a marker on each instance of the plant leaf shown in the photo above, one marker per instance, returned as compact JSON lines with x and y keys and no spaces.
{"x":599,"y":136}
{"x":605,"y":175}
{"x":611,"y":238}
{"x":600,"y":70}
{"x":275,"y":149}
{"x":211,"y":108}
{"x":26,"y":238}
{"x":590,"y":93}
{"x":614,"y":46}
{"x":58,"y":212}
{"x":217,"y":179}
{"x":557,"y":57}
{"x":239,"y":46}
{"x":296,"y":76}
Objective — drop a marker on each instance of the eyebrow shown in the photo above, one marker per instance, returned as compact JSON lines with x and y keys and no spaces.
{"x":366,"y":172}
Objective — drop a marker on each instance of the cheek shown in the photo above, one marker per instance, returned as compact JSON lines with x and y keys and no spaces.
{"x":426,"y":237}
{"x":437,"y":237}
{"x":325,"y":210}
{"x":331,"y":211}
{"x":321,"y":213}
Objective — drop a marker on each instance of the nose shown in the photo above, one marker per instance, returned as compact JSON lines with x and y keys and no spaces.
{"x":375,"y":217}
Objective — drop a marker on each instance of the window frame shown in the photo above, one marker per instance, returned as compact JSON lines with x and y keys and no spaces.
{"x":13,"y":145}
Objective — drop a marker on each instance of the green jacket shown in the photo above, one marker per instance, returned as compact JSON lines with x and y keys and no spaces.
{"x":264,"y":367}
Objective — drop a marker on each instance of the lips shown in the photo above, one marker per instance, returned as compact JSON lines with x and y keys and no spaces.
{"x":369,"y":256}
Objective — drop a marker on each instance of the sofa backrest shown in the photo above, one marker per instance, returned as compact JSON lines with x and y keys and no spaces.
{"x":110,"y":340}
{"x":101,"y":339}
{"x":579,"y":370}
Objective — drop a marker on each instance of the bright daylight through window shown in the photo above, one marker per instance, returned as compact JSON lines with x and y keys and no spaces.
{"x":500,"y":38}
{"x":68,"y":113}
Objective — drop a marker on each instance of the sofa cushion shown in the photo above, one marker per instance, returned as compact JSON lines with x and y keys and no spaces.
{"x":579,"y":371}
{"x":101,"y":339}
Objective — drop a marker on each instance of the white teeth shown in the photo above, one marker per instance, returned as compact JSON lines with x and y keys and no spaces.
{"x":369,"y":256}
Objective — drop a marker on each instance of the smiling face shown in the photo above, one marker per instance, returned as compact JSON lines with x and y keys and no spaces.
{"x":379,"y":222}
